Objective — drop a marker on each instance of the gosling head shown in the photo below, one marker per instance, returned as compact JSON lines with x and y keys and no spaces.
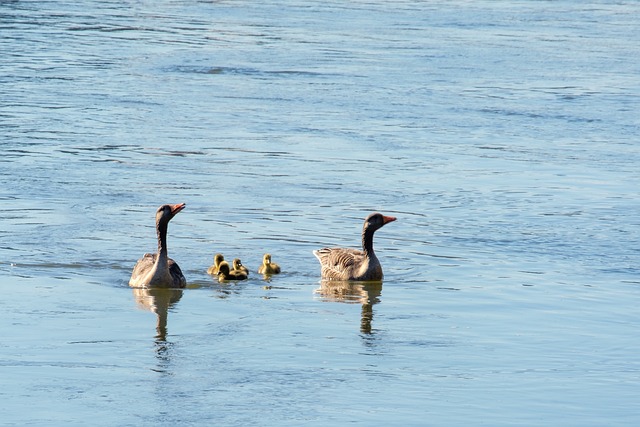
{"x":224,"y":269}
{"x":217,"y":259}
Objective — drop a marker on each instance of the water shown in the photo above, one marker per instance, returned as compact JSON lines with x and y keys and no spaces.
{"x":502,"y":135}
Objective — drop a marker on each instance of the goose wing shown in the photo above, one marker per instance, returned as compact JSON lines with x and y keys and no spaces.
{"x":179,"y":280}
{"x":142,"y":269}
{"x":338,"y":263}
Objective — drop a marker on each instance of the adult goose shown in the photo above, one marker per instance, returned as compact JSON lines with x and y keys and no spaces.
{"x":158,"y":270}
{"x":354,"y":264}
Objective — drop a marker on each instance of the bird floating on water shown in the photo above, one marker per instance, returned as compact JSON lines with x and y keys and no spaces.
{"x":354,"y":264}
{"x":238,"y":266}
{"x":217,"y":259}
{"x":268,"y":267}
{"x":158,"y":270}
{"x":225,"y":273}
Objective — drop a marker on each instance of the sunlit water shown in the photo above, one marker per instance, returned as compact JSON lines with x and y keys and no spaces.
{"x":503,"y":135}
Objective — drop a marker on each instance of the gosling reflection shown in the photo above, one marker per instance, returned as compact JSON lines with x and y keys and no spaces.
{"x":366,"y":293}
{"x":158,"y":301}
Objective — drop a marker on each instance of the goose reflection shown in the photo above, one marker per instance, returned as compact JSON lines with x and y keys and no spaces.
{"x":158,"y":301}
{"x":365,"y":293}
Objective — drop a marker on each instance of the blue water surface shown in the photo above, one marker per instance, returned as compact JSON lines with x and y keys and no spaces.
{"x":502,"y":135}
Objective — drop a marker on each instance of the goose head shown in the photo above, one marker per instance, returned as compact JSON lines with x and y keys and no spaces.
{"x":376,"y":220}
{"x":166,"y":212}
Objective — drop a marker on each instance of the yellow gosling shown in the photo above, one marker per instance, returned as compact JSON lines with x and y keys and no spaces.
{"x":225,"y":273}
{"x":237,"y":266}
{"x":267,"y":266}
{"x":217,"y":260}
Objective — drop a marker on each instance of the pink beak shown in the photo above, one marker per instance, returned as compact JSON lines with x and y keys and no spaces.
{"x":177,"y":208}
{"x":387,"y":219}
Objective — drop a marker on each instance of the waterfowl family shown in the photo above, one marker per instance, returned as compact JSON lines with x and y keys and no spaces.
{"x":158,"y":270}
{"x":225,"y":273}
{"x":353,"y":264}
{"x":237,"y":266}
{"x":267,"y":266}
{"x":217,"y":260}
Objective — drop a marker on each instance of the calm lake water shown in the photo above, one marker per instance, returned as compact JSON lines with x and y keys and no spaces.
{"x":503,"y":135}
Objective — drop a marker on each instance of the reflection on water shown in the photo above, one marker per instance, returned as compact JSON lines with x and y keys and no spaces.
{"x":158,"y":301}
{"x":366,"y":293}
{"x":163,"y":350}
{"x":226,"y":288}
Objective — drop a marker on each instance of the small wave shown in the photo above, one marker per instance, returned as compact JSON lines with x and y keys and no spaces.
{"x":243,"y":71}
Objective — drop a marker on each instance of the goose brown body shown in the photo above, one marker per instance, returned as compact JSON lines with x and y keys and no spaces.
{"x":158,"y":270}
{"x":354,"y":264}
